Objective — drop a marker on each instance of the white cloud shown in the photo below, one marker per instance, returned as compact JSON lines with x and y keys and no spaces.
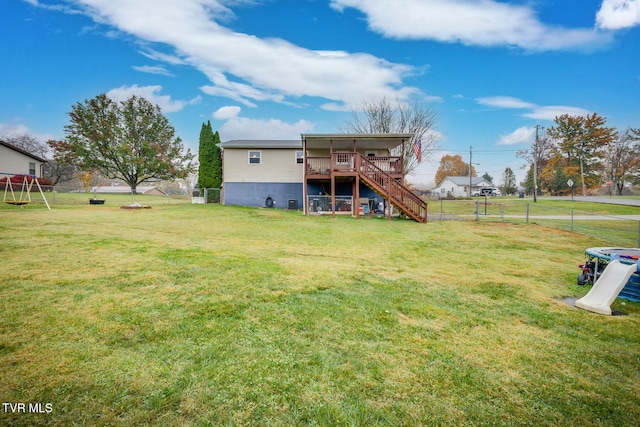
{"x":535,"y":111}
{"x":244,"y":128}
{"x":225,"y":113}
{"x":152,"y":70}
{"x":522,"y":135}
{"x":552,"y":111}
{"x":618,"y":14}
{"x":151,"y":94}
{"x":504,"y":102}
{"x":8,"y":130}
{"x":471,"y":22}
{"x":246,"y":68}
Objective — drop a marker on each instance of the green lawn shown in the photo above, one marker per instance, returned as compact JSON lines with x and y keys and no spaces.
{"x":210,"y":315}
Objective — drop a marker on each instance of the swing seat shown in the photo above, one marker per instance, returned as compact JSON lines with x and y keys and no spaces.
{"x":17,"y":202}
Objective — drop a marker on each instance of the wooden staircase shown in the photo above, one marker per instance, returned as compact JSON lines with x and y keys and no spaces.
{"x":395,"y":192}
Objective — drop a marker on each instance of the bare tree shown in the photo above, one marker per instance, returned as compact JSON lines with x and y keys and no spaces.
{"x":28,"y":143}
{"x":623,"y":158}
{"x":540,"y":154}
{"x":383,"y":116}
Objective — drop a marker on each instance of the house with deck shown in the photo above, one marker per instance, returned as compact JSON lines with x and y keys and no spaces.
{"x":337,"y":174}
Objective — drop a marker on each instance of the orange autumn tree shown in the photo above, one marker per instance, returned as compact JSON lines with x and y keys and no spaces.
{"x":452,"y":165}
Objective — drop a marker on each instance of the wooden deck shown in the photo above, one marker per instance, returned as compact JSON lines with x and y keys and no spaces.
{"x":381,"y":174}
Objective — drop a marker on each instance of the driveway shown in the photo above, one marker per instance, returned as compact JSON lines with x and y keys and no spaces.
{"x":597,"y":199}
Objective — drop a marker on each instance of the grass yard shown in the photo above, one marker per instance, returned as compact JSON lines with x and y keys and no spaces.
{"x":210,"y":315}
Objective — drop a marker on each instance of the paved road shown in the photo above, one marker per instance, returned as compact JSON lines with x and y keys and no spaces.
{"x":597,"y":199}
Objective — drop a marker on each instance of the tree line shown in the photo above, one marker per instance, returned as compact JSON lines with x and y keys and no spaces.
{"x":585,"y":151}
{"x":130,"y":141}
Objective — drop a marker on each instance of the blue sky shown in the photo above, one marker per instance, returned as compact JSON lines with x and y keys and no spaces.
{"x":273,"y":69}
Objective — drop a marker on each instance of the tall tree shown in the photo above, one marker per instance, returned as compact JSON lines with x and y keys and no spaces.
{"x":542,"y":150}
{"x":452,"y":165}
{"x":508,"y":182}
{"x":130,"y":140}
{"x":583,"y":139}
{"x":383,"y":116}
{"x":623,"y":158}
{"x":555,"y":174}
{"x":205,"y":157}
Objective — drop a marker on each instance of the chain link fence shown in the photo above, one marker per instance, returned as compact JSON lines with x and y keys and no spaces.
{"x":61,"y":195}
{"x":616,"y":230}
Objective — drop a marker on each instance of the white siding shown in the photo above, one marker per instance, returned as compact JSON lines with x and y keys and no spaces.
{"x":15,"y":163}
{"x":276,"y":165}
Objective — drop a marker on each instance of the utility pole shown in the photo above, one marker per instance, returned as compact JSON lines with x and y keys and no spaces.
{"x":470,"y":166}
{"x":535,"y":168}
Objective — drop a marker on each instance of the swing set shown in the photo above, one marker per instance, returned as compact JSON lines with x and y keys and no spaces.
{"x":25,"y":192}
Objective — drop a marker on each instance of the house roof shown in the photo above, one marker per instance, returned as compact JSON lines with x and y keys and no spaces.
{"x":262,"y":143}
{"x":345,"y":141}
{"x":20,"y":150}
{"x":464,"y":180}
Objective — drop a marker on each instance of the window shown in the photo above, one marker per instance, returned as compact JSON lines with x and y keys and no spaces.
{"x":255,"y":157}
{"x":32,"y":168}
{"x":371,"y":154}
{"x":299,"y":157}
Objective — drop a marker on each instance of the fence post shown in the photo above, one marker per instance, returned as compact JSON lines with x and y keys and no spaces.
{"x":527,"y":212}
{"x":440,"y":209}
{"x":571,"y":220}
{"x":477,"y":211}
{"x":501,"y":212}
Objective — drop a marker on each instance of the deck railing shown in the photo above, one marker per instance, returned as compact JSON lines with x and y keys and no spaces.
{"x":376,"y":172}
{"x":318,"y":165}
{"x":346,"y":162}
{"x":405,"y":199}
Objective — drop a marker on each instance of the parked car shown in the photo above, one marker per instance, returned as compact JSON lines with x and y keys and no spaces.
{"x":495,"y":192}
{"x":484,"y":191}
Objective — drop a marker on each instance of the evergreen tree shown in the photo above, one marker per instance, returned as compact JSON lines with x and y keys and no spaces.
{"x":209,"y":158}
{"x":217,"y":161}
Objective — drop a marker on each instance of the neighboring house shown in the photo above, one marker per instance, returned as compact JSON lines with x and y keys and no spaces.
{"x":458,"y":186}
{"x":322,"y":173}
{"x":125,"y":189}
{"x":16,"y":161}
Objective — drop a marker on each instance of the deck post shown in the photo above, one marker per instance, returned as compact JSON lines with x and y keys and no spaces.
{"x":333,"y":194}
{"x":305,"y":189}
{"x":356,"y":202}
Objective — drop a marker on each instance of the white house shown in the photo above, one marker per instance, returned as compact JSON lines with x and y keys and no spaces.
{"x":458,"y":186}
{"x":321,"y":173}
{"x":16,"y":161}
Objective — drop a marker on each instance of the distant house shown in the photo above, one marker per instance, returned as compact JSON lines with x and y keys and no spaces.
{"x":124,"y":189}
{"x":345,"y":174}
{"x":16,"y":161}
{"x":458,"y":186}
